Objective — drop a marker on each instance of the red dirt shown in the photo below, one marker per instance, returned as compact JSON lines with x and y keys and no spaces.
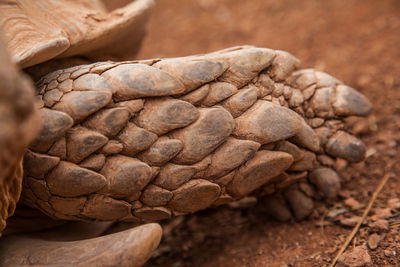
{"x":357,"y":42}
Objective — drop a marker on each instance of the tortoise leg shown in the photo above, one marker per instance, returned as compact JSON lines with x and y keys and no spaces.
{"x":143,"y":141}
{"x":131,"y":247}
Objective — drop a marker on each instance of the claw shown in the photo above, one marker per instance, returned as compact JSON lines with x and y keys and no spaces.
{"x":345,"y":146}
{"x":349,"y":102}
{"x":131,"y":247}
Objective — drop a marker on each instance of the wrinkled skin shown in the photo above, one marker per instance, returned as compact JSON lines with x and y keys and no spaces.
{"x":144,"y":141}
{"x":84,"y":245}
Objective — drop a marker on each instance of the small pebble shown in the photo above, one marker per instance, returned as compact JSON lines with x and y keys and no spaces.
{"x":357,"y":257}
{"x":352,"y":203}
{"x":394,"y":203}
{"x":389,"y":253}
{"x":379,"y":226}
{"x":352,"y":221}
{"x":373,"y":241}
{"x":381,"y":213}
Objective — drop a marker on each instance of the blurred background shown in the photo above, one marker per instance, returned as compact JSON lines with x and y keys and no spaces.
{"x":357,"y":41}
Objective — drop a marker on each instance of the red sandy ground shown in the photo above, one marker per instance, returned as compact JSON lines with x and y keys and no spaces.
{"x":357,"y":42}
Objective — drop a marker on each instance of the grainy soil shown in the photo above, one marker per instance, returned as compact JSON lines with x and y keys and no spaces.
{"x":357,"y":41}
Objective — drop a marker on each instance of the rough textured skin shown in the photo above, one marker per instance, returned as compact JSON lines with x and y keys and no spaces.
{"x":37,"y":31}
{"x":143,"y":141}
{"x":18,"y":126}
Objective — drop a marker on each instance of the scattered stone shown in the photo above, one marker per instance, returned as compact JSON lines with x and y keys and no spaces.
{"x":373,"y":241}
{"x":345,"y":193}
{"x":379,"y":226}
{"x":394,"y":203}
{"x":357,"y":257}
{"x":352,"y":221}
{"x":352,"y":203}
{"x":389,"y":252}
{"x":332,"y":213}
{"x":381,"y":213}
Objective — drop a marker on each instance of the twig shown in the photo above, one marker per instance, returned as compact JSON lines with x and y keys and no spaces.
{"x":385,"y":178}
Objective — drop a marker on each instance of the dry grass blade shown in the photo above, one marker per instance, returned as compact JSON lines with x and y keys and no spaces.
{"x":385,"y":178}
